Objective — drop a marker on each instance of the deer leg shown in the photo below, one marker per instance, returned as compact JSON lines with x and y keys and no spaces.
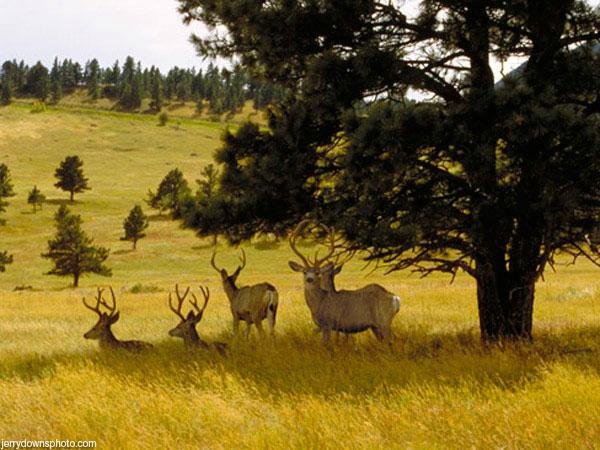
{"x":260,"y":328}
{"x":248,"y":325}
{"x":326,"y":335}
{"x":236,"y":325}
{"x":378,"y":334}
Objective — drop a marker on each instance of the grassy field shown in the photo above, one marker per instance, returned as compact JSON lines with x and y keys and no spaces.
{"x":437,"y":387}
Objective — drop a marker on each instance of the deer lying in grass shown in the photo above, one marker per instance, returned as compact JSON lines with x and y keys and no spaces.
{"x":102,"y":332}
{"x":371,"y":307}
{"x":186,"y":329}
{"x":251,"y":304}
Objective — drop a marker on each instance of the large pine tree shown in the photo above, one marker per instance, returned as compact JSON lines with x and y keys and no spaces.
{"x":475,"y":176}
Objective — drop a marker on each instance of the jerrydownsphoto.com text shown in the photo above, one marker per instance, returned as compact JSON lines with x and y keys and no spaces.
{"x":25,"y":443}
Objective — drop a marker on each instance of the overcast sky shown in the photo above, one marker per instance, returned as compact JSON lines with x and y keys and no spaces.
{"x":148,"y":30}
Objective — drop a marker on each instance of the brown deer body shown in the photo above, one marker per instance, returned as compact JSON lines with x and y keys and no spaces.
{"x":102,"y":330}
{"x":186,"y":329}
{"x":347,"y":311}
{"x":250,"y":304}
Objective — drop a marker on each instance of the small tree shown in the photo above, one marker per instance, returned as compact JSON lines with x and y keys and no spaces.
{"x":6,"y":188}
{"x":169,"y":193}
{"x":208,"y":182}
{"x":163,"y":118}
{"x":134,"y":225}
{"x":5,"y":259}
{"x":72,"y":252}
{"x":36,"y":198}
{"x":70,"y":176}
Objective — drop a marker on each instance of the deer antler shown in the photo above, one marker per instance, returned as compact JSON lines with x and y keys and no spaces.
{"x":101,"y":302}
{"x":212,"y":260}
{"x":206,"y":294}
{"x":330,"y":240}
{"x":177,"y":310}
{"x":294,"y":237}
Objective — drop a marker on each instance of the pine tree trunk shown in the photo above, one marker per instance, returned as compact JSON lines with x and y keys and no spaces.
{"x":76,"y":280}
{"x":134,"y":244}
{"x":72,"y":196}
{"x":505,"y":304}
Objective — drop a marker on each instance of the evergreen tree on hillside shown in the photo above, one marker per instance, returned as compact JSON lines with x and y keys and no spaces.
{"x":7,"y":82}
{"x":72,"y":252}
{"x":38,"y":82}
{"x":6,"y":189}
{"x":169,"y":193}
{"x":92,"y":78}
{"x":134,"y":225}
{"x":156,"y":91}
{"x":36,"y":199}
{"x":70,"y":176}
{"x":6,"y":93}
{"x":55,"y":82}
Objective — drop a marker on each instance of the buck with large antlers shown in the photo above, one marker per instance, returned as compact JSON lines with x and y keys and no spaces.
{"x":251,"y":304}
{"x":370,"y":307}
{"x":102,"y":332}
{"x":186,"y":329}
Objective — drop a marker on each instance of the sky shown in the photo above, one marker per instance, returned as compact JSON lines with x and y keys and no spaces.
{"x":148,"y":30}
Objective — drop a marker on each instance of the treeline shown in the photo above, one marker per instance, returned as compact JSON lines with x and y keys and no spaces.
{"x":217,"y":90}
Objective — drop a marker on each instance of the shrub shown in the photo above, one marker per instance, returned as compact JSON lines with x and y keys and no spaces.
{"x":38,"y":107}
{"x":163,"y":118}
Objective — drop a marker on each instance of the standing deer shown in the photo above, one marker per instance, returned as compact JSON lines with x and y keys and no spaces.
{"x":370,"y":307}
{"x":251,"y":304}
{"x":186,"y":329}
{"x":102,"y":332}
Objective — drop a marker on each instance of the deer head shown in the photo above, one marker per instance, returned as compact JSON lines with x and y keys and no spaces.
{"x":225,"y":277}
{"x":105,"y":319}
{"x":322,"y":269}
{"x":186,"y":329}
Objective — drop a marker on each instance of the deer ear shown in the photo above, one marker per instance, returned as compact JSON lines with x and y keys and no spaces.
{"x":190,"y":315}
{"x":114,"y":318}
{"x":295,"y":266}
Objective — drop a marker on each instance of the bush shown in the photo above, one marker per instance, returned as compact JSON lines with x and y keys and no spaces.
{"x":141,"y":289}
{"x":38,"y":107}
{"x":163,"y":118}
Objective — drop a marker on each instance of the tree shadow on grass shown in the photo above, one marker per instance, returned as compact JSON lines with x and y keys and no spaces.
{"x":123,"y":252}
{"x":161,"y":218}
{"x":61,"y":201}
{"x":296,"y":362}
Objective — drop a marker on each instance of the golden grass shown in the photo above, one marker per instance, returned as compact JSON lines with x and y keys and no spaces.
{"x":436,"y":387}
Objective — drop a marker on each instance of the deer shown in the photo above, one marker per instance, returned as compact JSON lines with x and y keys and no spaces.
{"x":347,"y":311}
{"x":102,"y":330}
{"x":186,"y":329}
{"x":251,"y":304}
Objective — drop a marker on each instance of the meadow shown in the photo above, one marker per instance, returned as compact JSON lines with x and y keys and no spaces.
{"x":436,"y":387}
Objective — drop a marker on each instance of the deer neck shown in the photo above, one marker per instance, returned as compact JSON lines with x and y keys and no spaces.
{"x":230,"y":290}
{"x":314,"y":296}
{"x":192,"y":339}
{"x":108,"y":339}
